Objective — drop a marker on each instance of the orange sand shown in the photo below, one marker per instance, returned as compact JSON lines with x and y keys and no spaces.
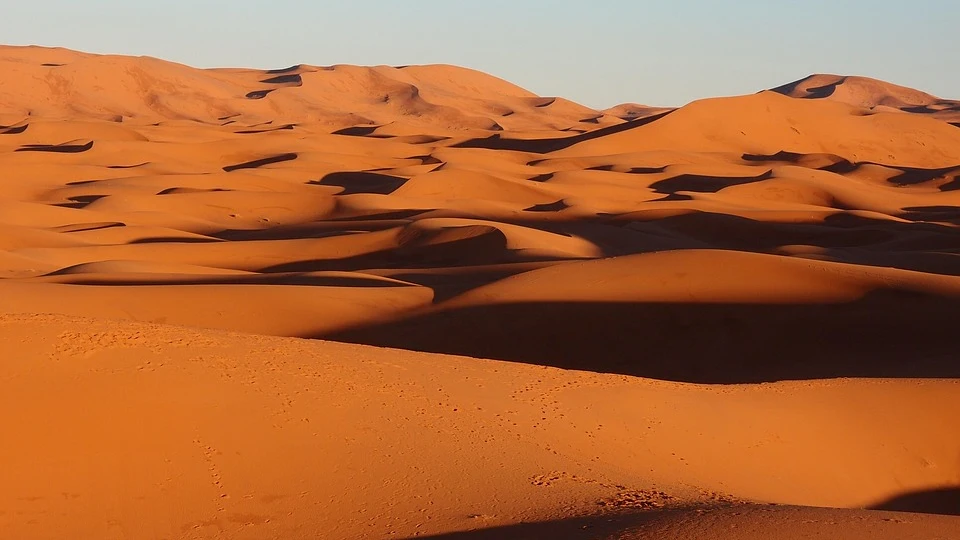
{"x":620,"y":278}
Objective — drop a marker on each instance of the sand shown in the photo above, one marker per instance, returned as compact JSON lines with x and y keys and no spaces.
{"x":729,"y":320}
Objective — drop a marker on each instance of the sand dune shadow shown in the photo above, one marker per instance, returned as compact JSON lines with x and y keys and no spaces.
{"x":57,"y":148}
{"x":574,"y":528}
{"x":261,"y":162}
{"x":944,"y":501}
{"x":904,"y":334}
{"x":362,"y":182}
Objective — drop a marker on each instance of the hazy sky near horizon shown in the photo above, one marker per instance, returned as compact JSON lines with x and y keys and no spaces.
{"x":599,"y":53}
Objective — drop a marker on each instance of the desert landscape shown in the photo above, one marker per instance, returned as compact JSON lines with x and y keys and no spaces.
{"x":351,"y":302}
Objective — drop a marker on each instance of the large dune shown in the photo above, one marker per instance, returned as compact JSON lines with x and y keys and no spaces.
{"x":615,"y":282}
{"x":131,"y":430}
{"x":872,"y":94}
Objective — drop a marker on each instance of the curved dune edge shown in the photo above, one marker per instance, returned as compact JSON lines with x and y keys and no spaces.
{"x":159,"y":431}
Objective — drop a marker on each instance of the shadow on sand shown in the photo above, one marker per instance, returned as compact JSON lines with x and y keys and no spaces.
{"x":545,"y":146}
{"x":885,"y":334}
{"x":578,"y":528}
{"x":945,"y":501}
{"x":361,"y":182}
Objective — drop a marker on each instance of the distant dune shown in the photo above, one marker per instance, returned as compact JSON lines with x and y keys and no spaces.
{"x":733,"y":319}
{"x":872,"y":94}
{"x":62,"y":84}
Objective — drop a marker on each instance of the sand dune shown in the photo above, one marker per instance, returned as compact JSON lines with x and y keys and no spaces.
{"x":872,"y":94}
{"x":154,"y":431}
{"x":638,"y":269}
{"x":768,"y":123}
{"x":634,"y":111}
{"x":691,"y":315}
{"x":61,"y":84}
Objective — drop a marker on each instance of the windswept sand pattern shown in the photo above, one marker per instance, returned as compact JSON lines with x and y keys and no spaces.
{"x":167,"y":230}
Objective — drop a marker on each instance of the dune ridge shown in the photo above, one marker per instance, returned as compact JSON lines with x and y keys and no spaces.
{"x":666,"y":322}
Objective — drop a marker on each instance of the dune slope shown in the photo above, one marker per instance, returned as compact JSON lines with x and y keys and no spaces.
{"x":149,"y":431}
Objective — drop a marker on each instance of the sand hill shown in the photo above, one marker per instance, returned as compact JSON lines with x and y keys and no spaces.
{"x":633,"y":323}
{"x":62,"y":84}
{"x":872,"y":94}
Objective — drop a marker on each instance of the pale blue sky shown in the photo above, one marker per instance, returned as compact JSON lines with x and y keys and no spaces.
{"x":596,"y":52}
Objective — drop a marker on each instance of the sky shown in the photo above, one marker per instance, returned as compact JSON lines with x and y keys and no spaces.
{"x":599,"y":53}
